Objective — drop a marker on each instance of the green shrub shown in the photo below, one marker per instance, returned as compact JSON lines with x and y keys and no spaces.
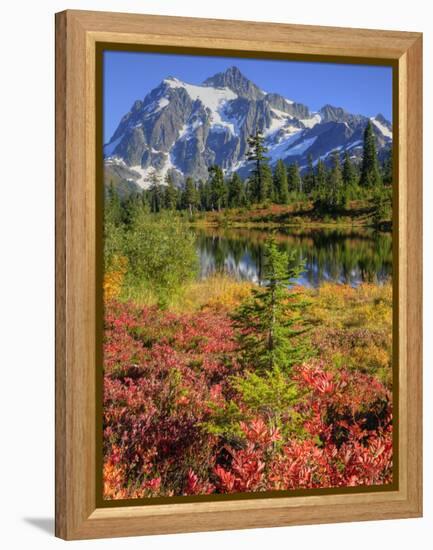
{"x":161,"y":254}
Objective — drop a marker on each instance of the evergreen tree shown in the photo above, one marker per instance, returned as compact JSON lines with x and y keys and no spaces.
{"x":382,"y":200}
{"x":204,"y":195}
{"x":330,"y":195}
{"x":267,"y":182}
{"x":387,"y":169}
{"x":321,"y":176}
{"x":270,"y":322}
{"x":156,"y":197}
{"x":249,"y":191}
{"x":334,"y":193}
{"x":131,"y":207}
{"x":145,"y":202}
{"x":113,"y":206}
{"x":218,"y":189}
{"x":349,"y":172}
{"x":170,"y":194}
{"x":259,"y":180}
{"x":310,"y":177}
{"x":294,"y":178}
{"x":190,"y":196}
{"x":235,"y":191}
{"x":281,"y":183}
{"x":370,"y":174}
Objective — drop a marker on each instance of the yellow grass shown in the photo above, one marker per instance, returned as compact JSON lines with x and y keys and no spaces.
{"x":218,"y":293}
{"x":351,"y":327}
{"x":343,"y":306}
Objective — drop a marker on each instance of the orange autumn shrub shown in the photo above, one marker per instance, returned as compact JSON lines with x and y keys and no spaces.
{"x":113,"y":279}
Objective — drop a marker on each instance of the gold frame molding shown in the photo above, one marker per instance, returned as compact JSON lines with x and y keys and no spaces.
{"x":79,"y":34}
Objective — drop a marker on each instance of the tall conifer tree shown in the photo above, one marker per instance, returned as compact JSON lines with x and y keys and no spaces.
{"x":370,"y":173}
{"x":310,"y":176}
{"x":294,"y":178}
{"x":204,"y":195}
{"x":113,"y":206}
{"x":190,"y":196}
{"x":235,"y":191}
{"x":155,"y":193}
{"x":259,"y":180}
{"x":321,"y":176}
{"x":349,"y":172}
{"x":270,"y":321}
{"x":387,"y":169}
{"x":170,"y":194}
{"x":218,"y":189}
{"x":281,"y":187}
{"x":334,"y":193}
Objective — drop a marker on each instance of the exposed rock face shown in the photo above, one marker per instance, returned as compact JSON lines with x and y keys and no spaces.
{"x":233,"y":78}
{"x":181,"y":129}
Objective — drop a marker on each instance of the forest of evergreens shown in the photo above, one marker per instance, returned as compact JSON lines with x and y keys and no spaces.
{"x":329,"y":185}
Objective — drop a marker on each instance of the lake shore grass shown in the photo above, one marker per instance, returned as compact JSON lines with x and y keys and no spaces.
{"x":335,"y":304}
{"x":357,"y":214}
{"x":219,"y":292}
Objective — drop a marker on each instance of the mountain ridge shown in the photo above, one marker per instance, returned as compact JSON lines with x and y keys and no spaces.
{"x":181,"y":129}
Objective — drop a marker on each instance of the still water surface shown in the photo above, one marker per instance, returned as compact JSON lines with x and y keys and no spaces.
{"x":348,"y":257}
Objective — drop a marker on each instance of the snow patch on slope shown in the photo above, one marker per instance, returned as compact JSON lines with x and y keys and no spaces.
{"x":357,"y":143}
{"x":312,"y":121}
{"x":213,"y":99}
{"x":155,"y":106}
{"x":326,"y":155}
{"x":300,"y":148}
{"x":280,"y":149}
{"x":145,"y":174}
{"x":385,"y":131}
{"x":235,"y":167}
{"x":186,"y":132}
{"x":281,"y":114}
{"x":279,"y":121}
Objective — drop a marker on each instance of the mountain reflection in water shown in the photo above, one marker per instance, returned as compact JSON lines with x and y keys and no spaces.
{"x":350,"y":257}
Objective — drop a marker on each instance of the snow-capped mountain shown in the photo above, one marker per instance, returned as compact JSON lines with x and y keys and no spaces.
{"x":182,"y":129}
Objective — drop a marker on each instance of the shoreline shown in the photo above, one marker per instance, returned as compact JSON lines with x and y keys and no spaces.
{"x":358,"y":215}
{"x":274,"y":225}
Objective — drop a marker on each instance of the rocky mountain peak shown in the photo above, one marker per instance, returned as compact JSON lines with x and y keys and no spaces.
{"x":380,"y":118}
{"x":233,"y":78}
{"x":330,"y":113}
{"x":180,"y":129}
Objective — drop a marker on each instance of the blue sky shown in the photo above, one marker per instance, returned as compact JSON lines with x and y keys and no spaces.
{"x":360,"y":89}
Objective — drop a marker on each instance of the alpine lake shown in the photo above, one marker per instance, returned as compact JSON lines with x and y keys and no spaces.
{"x":346,"y":256}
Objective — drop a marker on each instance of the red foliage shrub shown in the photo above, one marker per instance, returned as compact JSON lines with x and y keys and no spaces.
{"x":160,"y":372}
{"x":163,"y":373}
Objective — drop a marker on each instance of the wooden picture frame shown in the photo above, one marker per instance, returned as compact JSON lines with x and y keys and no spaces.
{"x":78,"y":34}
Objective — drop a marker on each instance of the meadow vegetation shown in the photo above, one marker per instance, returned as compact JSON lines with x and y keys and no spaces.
{"x":222,"y":386}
